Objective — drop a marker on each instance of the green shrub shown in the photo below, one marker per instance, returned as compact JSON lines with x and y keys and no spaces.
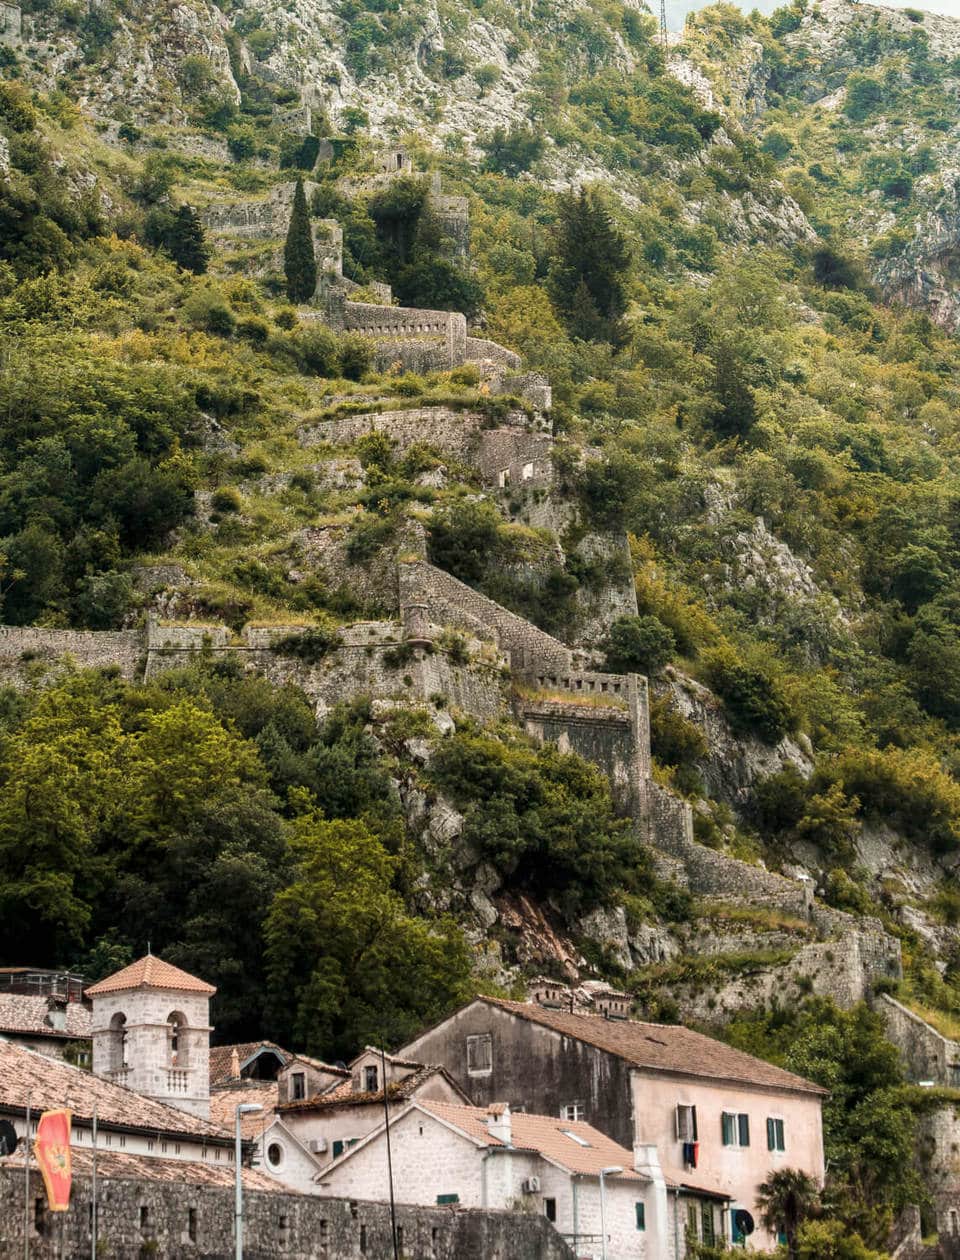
{"x":226,"y":499}
{"x":753,"y":697}
{"x":641,"y":645}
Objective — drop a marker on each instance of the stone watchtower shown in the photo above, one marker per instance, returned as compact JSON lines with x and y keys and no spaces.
{"x":151,"y":1032}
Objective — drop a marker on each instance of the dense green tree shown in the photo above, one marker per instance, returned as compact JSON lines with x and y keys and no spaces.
{"x":186,"y":243}
{"x":299,"y":259}
{"x":347,"y":963}
{"x":588,"y":277}
{"x":640,"y":645}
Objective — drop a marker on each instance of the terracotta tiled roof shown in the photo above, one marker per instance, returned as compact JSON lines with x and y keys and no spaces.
{"x":29,"y":1015}
{"x":346,"y":1096}
{"x":390,"y":1058}
{"x":699,"y":1182}
{"x":319,"y":1064}
{"x":123,"y":1167}
{"x":221,"y":1058}
{"x":662,"y":1047}
{"x":547,"y":1136}
{"x":50,"y":1083}
{"x":224,"y":1103}
{"x":150,"y":973}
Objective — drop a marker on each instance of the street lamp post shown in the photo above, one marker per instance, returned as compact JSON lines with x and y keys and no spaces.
{"x":243,"y":1109}
{"x":604,"y":1172}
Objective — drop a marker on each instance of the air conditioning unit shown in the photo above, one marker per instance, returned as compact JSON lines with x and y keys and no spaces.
{"x":318,"y":1145}
{"x":531,"y":1185}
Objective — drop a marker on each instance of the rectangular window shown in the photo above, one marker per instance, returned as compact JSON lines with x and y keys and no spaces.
{"x":550,"y":1210}
{"x":192,"y":1224}
{"x":40,"y":1216}
{"x":337,"y":1148}
{"x":480,"y":1054}
{"x":686,"y":1123}
{"x":775,"y":1136}
{"x":370,"y":1076}
{"x":144,"y":1218}
{"x":299,"y":1085}
{"x":363,"y":1240}
{"x":735,"y":1128}
{"x":692,"y":1231}
{"x":641,"y":1210}
{"x":706,"y":1224}
{"x":573,"y":1111}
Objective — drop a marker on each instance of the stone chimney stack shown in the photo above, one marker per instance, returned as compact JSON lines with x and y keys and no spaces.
{"x":646,"y":1161}
{"x":499,"y":1124}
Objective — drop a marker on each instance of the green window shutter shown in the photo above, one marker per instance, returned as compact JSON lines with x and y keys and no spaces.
{"x":771,"y":1134}
{"x":337,"y":1149}
{"x":447,"y":1200}
{"x":743,"y":1124}
{"x":641,"y":1216}
{"x":726,"y":1126}
{"x":781,"y":1141}
{"x":706,"y":1224}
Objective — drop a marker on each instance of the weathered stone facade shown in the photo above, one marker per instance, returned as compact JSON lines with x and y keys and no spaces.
{"x":927,"y":1055}
{"x":185,"y":1221}
{"x":11,"y":24}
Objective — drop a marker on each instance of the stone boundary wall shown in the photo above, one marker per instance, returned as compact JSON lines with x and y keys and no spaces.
{"x":511,"y":456}
{"x":454,"y":432}
{"x":927,"y":1055}
{"x":147,"y":1216}
{"x":480,"y":348}
{"x":530,"y":386}
{"x":263,"y":218}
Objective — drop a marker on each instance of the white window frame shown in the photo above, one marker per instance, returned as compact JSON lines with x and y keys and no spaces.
{"x":781,"y":1149}
{"x":736,"y":1117}
{"x":683,"y":1113}
{"x":573,"y":1111}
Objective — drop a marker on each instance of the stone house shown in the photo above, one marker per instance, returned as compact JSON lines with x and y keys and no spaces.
{"x":44,"y":1010}
{"x":330,"y":1122}
{"x":720,"y":1120}
{"x":297,"y":1075}
{"x":492,"y":1157}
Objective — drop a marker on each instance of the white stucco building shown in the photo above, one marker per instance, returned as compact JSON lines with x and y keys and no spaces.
{"x":477,"y":1157}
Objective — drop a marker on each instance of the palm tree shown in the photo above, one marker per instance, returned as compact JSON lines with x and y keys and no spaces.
{"x":786,"y":1199}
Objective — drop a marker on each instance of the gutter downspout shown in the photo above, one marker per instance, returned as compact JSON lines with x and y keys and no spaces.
{"x":576,"y":1213}
{"x":676,"y":1223}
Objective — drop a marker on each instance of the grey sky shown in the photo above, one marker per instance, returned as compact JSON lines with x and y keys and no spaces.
{"x":678,"y":9}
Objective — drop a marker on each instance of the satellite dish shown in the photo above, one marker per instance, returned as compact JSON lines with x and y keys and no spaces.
{"x":8,"y":1138}
{"x":743,"y":1222}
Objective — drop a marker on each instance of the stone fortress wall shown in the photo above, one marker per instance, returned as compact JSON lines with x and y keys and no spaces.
{"x":181,"y":1221}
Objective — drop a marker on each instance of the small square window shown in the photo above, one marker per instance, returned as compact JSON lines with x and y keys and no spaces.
{"x":573,"y":1111}
{"x":480,"y":1053}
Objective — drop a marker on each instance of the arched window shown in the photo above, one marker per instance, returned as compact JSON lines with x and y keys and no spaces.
{"x":118,"y":1042}
{"x":177,"y":1039}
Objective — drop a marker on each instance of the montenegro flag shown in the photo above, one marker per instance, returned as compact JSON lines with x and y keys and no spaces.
{"x":52,"y":1149}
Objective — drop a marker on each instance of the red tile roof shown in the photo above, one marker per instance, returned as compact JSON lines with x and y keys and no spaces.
{"x":546,"y":1135}
{"x":346,"y":1096}
{"x":120,"y":1166}
{"x":224,"y":1103}
{"x":150,"y":973}
{"x":221,"y":1058}
{"x":662,"y":1047}
{"x":51,"y":1083}
{"x":30,"y":1016}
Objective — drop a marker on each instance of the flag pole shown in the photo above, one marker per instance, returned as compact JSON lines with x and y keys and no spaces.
{"x":26,"y":1185}
{"x":93,"y":1221}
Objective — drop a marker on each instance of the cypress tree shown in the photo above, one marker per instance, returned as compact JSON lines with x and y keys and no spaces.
{"x":588,"y":277}
{"x":299,"y":261}
{"x":186,"y":243}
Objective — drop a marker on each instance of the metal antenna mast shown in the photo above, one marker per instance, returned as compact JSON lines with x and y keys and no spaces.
{"x":663,"y":24}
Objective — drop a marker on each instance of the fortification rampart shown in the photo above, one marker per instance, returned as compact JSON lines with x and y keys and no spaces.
{"x":927,"y":1055}
{"x":28,"y":652}
{"x":479,"y":349}
{"x":261,"y":218}
{"x":182,"y":1219}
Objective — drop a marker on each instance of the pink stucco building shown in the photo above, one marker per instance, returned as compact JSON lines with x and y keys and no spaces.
{"x":720,"y":1120}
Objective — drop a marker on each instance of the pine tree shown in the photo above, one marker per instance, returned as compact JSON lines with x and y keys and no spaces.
{"x":186,"y":243}
{"x":592,"y":262}
{"x":299,"y":261}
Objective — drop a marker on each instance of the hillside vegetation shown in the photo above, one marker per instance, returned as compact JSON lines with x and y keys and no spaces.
{"x":707,"y":251}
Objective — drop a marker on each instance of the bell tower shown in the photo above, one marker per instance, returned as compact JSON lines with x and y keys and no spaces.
{"x":151,"y":1033}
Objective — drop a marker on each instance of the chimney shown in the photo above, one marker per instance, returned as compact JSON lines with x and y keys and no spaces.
{"x":234,"y":1064}
{"x":646,"y":1161}
{"x":498,"y":1123}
